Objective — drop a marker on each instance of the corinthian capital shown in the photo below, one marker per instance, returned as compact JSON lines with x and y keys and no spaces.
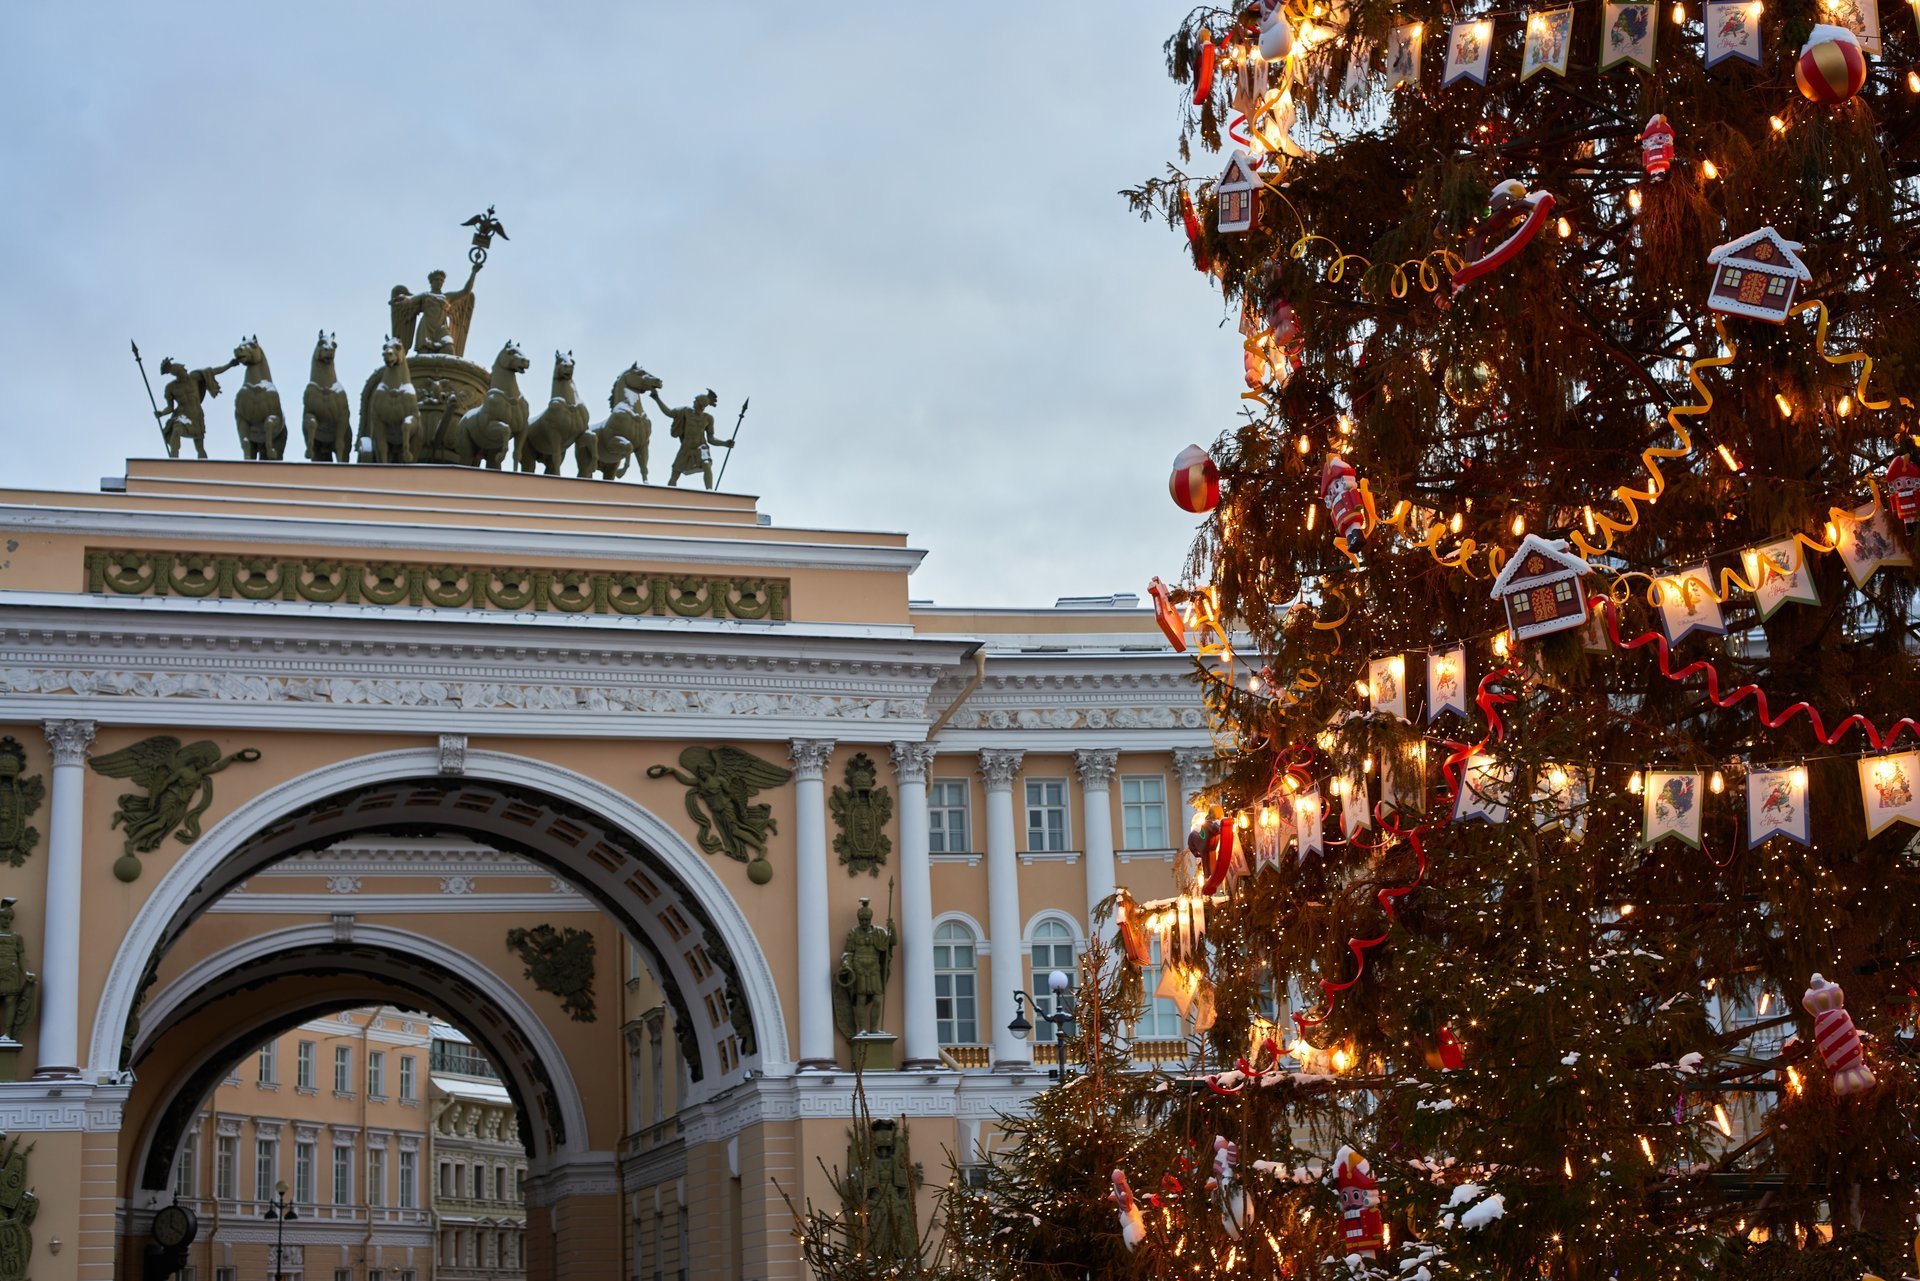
{"x":810,"y":756}
{"x":69,"y":741}
{"x":998,"y":766}
{"x":1192,"y":765}
{"x":911,"y":760}
{"x":1096,"y":766}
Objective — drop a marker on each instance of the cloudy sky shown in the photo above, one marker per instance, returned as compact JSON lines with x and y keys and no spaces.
{"x":894,"y":226}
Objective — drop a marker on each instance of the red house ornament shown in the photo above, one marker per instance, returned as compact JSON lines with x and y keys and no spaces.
{"x":1362,"y":1228}
{"x":1236,"y":193}
{"x":1540,"y":588}
{"x":1756,"y":276}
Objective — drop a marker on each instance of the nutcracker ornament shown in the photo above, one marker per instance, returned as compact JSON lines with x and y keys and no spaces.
{"x":1834,"y":1033}
{"x":1361,"y":1226}
{"x":1902,"y":486}
{"x":1340,"y":492}
{"x":1656,"y":147}
{"x":1196,"y":481}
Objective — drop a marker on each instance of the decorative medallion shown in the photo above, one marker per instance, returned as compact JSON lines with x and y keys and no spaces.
{"x":560,"y":962}
{"x":179,"y":787}
{"x":720,"y":781}
{"x":20,"y":796}
{"x":862,"y":809}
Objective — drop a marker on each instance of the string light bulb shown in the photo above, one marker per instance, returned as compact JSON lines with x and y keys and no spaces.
{"x":1633,"y":200}
{"x":1566,"y":229}
{"x":1781,"y":403}
{"x":1913,"y":82}
{"x":1304,"y":445}
{"x":1709,"y":170}
{"x":1501,"y":645}
{"x":1779,"y":125}
{"x":1679,"y":14}
{"x":1845,"y":406}
{"x":1635,"y":783}
{"x":1716,"y":783}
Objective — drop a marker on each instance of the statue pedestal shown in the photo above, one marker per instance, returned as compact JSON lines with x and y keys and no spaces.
{"x":873,"y":1051}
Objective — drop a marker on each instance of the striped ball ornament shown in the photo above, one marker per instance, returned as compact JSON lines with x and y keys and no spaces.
{"x":1196,"y":481}
{"x":1832,"y":67}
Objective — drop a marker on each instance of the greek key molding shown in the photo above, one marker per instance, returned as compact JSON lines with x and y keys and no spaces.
{"x":516,"y":589}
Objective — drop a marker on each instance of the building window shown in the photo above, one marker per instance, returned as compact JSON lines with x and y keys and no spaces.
{"x":374,"y":1274}
{"x":406,"y":1078}
{"x":228,"y":1274}
{"x":1143,"y":813}
{"x":342,"y":1174}
{"x":464,"y":1060}
{"x":376,"y":1176}
{"x":409,"y":1179}
{"x":947,"y":816}
{"x":185,"y":1167}
{"x":303,"y":1159}
{"x":500,"y":1183}
{"x":955,"y":984}
{"x":1047,"y":814}
{"x":376,"y":1074}
{"x":226,"y":1161}
{"x":1160,"y":1020}
{"x":1052,"y":950}
{"x":269,"y":1067}
{"x":657,"y":1071}
{"x":264,"y":1171}
{"x":303,"y":1066}
{"x":476,"y":1182}
{"x":343,"y":1069}
{"x":343,"y":1274}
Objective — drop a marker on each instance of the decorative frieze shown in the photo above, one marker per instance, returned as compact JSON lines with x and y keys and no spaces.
{"x":323,"y":581}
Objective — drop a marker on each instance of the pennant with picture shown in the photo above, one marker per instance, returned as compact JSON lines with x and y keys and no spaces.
{"x":1549,"y":41}
{"x":1387,"y":685}
{"x":1733,"y":31}
{"x":1777,"y":587}
{"x":1560,"y":800}
{"x":1447,"y":682}
{"x":1359,"y":65}
{"x":1777,"y":805}
{"x":1890,"y":790}
{"x":1469,"y":51}
{"x":1356,"y":810}
{"x":1688,"y":604}
{"x":1869,"y":543}
{"x":1672,"y":806}
{"x":1627,"y":34}
{"x":1272,"y":833}
{"x":1486,"y":789}
{"x":1862,"y":17}
{"x":1308,"y":823}
{"x":1404,"y":44}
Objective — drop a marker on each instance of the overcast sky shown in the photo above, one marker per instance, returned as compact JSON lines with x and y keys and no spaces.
{"x":894,"y":226}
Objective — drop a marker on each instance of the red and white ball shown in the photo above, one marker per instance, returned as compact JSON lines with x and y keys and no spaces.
{"x":1832,"y":67}
{"x":1196,"y":481}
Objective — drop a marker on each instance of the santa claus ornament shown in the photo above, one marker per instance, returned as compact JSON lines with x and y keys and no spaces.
{"x":1834,"y":1033}
{"x":1340,"y":493}
{"x":1656,"y":147}
{"x":1362,"y":1229}
{"x":1196,"y":481}
{"x":1831,"y":68}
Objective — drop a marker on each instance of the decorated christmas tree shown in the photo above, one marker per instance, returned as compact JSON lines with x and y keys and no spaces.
{"x":1555,"y":914}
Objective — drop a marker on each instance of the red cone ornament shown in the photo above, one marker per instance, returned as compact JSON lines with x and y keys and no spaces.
{"x":1831,"y":68}
{"x":1196,"y":481}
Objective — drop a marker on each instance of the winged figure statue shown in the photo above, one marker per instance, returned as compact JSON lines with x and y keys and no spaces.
{"x":720,"y":783}
{"x":178,"y":785}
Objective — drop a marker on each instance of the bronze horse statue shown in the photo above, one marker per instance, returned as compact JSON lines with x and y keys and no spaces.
{"x":607,"y":446}
{"x":391,"y":416}
{"x":329,"y":434}
{"x":486,"y":432}
{"x":559,"y":426}
{"x":256,"y":408}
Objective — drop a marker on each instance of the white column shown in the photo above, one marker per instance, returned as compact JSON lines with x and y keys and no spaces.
{"x":1096,"y":797}
{"x":59,"y":1050}
{"x":920,"y":1047}
{"x":1003,"y":909}
{"x":814,"y":968}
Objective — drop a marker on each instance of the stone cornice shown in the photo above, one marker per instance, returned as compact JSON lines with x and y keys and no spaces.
{"x":944,"y":1094}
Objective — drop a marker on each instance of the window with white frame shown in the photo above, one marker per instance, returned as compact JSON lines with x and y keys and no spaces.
{"x":376,"y":1176}
{"x":186,"y":1171}
{"x":1047,"y":814}
{"x":1052,"y":950}
{"x":343,"y":1069}
{"x":376,"y":1074}
{"x":1160,"y":1020}
{"x":956,"y":980}
{"x":268,"y":1069}
{"x":265,"y":1168}
{"x":342,"y":1174}
{"x":303,"y":1171}
{"x":947,"y":817}
{"x":406,"y":1078}
{"x":226,"y":1163}
{"x":1143,"y":812}
{"x":409,"y":1179}
{"x":228,"y":1274}
{"x":303,"y":1066}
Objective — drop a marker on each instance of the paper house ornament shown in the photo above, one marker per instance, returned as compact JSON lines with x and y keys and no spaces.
{"x":1890,"y":790}
{"x":1387,"y":685}
{"x":1688,"y":604}
{"x":1236,"y":191}
{"x":1672,"y":802}
{"x":1756,"y":276}
{"x":1447,"y":682}
{"x":1540,"y":587}
{"x":1777,"y":805}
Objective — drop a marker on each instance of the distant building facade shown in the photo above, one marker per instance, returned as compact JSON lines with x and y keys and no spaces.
{"x":480,"y":1166}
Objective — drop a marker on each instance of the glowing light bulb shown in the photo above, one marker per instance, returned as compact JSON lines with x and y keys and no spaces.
{"x":1845,"y":406}
{"x":1793,"y":1081}
{"x":1310,"y":515}
{"x":1567,"y":1166}
{"x":1453,"y":526}
{"x":1646,"y":1149}
{"x":1588,"y":512}
{"x":1716,"y":783}
{"x":1342,"y":1060}
{"x":1253,"y":684}
{"x":1720,"y":1120}
{"x":1397,"y":665}
{"x":1799,"y":776}
{"x":1634,"y":783}
{"x":1766,"y":1003}
{"x":1709,"y":170}
{"x":1779,"y":125}
{"x":1364,"y":688}
{"x":1633,"y":200}
{"x":1501,"y":645}
{"x":1833,"y":534}
{"x":1566,"y":229}
{"x":1325,"y":740}
{"x":1913,"y":82}
{"x":1519,"y":526}
{"x":1304,"y":445}
{"x":1557,"y":777}
{"x":1781,"y":403}
{"x":1626,"y":909}
{"x":1726,"y":456}
{"x":1346,"y":425}
{"x":1679,"y":14}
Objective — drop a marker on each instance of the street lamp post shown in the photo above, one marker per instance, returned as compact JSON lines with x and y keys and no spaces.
{"x":280,"y":1211}
{"x":1060,"y":1016}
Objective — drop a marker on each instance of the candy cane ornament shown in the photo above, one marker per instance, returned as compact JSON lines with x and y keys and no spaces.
{"x":1834,"y":1033}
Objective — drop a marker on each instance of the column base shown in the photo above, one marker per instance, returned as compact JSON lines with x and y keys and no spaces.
{"x":817,"y":1065}
{"x":55,"y":1074}
{"x":1013,"y":1065}
{"x":923,"y":1065}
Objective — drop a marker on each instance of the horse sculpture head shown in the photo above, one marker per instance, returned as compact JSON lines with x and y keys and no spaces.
{"x":247,"y":351}
{"x":393,"y":352}
{"x":632,"y":379}
{"x":511,"y":359}
{"x":323,"y":350}
{"x":562,"y":366}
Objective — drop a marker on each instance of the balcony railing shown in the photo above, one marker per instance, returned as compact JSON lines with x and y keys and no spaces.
{"x":975,"y":1058}
{"x":321,"y":1212}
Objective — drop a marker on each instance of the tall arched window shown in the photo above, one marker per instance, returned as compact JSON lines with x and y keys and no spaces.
{"x":1160,"y":1020}
{"x":1052,"y":950}
{"x":956,"y":984}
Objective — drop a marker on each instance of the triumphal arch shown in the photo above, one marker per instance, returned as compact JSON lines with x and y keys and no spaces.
{"x":270,"y":732}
